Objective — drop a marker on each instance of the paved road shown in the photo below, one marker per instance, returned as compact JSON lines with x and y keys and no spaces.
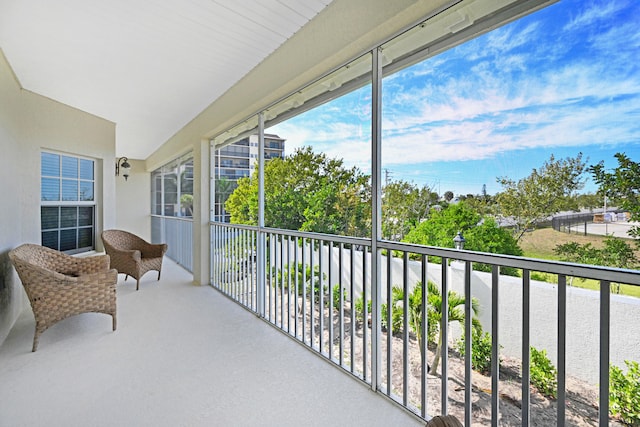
{"x":617,"y":229}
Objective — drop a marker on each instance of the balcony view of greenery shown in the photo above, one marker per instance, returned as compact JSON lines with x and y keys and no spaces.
{"x":491,"y":138}
{"x":494,"y":137}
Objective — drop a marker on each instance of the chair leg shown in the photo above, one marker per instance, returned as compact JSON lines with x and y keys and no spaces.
{"x":36,"y":338}
{"x":114,"y":321}
{"x":137,"y":284}
{"x":126,"y":276}
{"x":158,"y":274}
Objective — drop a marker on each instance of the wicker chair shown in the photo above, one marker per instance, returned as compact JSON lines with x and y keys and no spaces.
{"x":60,"y":286}
{"x":132,"y":255}
{"x":444,"y":421}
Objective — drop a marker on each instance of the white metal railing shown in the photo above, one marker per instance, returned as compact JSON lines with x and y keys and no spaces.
{"x":177,"y":233}
{"x":316,"y":289}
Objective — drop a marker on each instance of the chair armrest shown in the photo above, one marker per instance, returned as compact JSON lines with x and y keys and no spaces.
{"x":152,"y":250}
{"x":133,"y":254}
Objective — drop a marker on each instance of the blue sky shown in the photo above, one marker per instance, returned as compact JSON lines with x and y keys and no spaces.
{"x":561,"y":81}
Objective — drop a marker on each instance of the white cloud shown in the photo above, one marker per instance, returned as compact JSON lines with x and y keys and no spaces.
{"x":512,"y":90}
{"x":594,"y":12}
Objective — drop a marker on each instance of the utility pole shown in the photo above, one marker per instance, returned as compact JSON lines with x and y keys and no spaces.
{"x":387,"y":176}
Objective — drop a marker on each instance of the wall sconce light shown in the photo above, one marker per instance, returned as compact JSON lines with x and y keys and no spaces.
{"x":126,"y":167}
{"x":459,"y":240}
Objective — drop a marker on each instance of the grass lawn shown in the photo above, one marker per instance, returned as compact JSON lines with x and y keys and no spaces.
{"x":540,"y":244}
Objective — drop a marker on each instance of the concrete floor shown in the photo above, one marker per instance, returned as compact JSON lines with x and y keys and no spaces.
{"x":183,"y":355}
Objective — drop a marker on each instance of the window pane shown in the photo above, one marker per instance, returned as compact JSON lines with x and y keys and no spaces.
{"x":170,"y":195}
{"x":50,"y":164}
{"x":68,"y":240}
{"x":186,"y":177}
{"x":156,"y":193}
{"x":69,"y":190}
{"x":85,"y":237}
{"x":69,"y":167}
{"x":50,"y":239}
{"x":86,"y":190}
{"x":86,"y":169}
{"x":49,"y":218}
{"x":68,"y":217}
{"x":85,"y":216}
{"x":50,"y":189}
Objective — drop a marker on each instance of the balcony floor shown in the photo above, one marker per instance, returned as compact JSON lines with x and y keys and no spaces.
{"x":183,"y":355}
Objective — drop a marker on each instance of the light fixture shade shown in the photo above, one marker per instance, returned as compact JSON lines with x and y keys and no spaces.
{"x":459,"y":240}
{"x":126,"y":168}
{"x":123,"y":163}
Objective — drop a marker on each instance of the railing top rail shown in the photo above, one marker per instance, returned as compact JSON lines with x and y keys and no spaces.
{"x":597,"y":272}
{"x":177,"y":218}
{"x":228,"y":225}
{"x":617,"y":275}
{"x":302,"y":234}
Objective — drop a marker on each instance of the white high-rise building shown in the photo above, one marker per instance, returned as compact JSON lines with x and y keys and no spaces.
{"x":239,"y":160}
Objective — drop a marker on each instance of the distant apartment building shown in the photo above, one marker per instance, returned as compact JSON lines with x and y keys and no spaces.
{"x":239,"y":160}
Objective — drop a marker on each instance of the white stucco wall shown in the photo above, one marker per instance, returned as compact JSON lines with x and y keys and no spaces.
{"x":583,"y":328}
{"x":133,"y":201}
{"x":30,"y":123}
{"x":583,"y":311}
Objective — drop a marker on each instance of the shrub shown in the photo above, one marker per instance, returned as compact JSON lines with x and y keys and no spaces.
{"x":624,"y":393}
{"x":543,"y":373}
{"x":293,"y":272}
{"x":480,"y":350}
{"x":336,"y":296}
{"x":397,"y":311}
{"x":544,"y":277}
{"x":359,"y":307}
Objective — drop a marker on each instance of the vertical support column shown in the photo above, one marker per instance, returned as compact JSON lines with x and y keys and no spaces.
{"x":562,"y":349}
{"x":605,"y":319}
{"x":468,"y":325}
{"x":203,"y":186}
{"x":444,"y":327}
{"x":261,"y":251}
{"x":376,"y":213}
{"x":526,"y":343}
{"x":495,"y":346}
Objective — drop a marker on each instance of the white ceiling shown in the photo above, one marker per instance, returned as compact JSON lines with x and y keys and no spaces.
{"x":150,"y":66}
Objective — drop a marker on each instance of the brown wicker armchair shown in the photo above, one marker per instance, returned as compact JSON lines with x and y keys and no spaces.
{"x":132,"y":255}
{"x":60,"y":286}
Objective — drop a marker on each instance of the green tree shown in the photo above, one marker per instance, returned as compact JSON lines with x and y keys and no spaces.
{"x":404,"y":205}
{"x":615,"y":253}
{"x":546,"y":191}
{"x":306,"y":191}
{"x":482,"y":234}
{"x":622,"y":185}
{"x":589,"y":201}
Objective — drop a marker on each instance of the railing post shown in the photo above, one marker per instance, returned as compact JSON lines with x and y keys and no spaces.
{"x":444,"y":323}
{"x":495,"y":346}
{"x":562,"y":349}
{"x":605,"y":319}
{"x":526,"y":343}
{"x":468,"y":340}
